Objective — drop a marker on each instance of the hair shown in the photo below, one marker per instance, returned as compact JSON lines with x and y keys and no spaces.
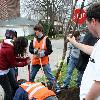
{"x":39,"y":27}
{"x":76,"y":34}
{"x":10,"y":34}
{"x":21,"y":81}
{"x":93,"y":12}
{"x":20,"y":45}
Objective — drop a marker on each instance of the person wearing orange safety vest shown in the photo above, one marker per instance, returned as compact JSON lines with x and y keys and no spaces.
{"x":34,"y":91}
{"x":41,"y":47}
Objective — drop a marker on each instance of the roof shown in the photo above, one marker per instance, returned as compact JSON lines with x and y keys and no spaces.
{"x":18,"y":22}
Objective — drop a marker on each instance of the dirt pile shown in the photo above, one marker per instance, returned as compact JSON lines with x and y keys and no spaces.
{"x":69,"y":94}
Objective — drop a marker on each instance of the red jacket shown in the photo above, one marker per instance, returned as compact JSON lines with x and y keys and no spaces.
{"x":8,"y":57}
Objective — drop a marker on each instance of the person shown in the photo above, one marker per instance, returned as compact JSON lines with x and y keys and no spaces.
{"x":41,"y":48}
{"x":9,"y":56}
{"x":90,"y":85}
{"x":10,"y":38}
{"x":33,"y":91}
{"x":73,"y":60}
{"x":89,"y":39}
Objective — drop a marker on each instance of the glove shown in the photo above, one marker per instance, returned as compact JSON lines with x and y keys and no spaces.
{"x":41,"y":53}
{"x":36,"y":51}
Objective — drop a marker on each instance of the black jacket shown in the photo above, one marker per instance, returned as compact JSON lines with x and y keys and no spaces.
{"x":83,"y":57}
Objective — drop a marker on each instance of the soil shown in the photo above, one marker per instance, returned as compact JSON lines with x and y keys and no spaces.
{"x":69,"y":94}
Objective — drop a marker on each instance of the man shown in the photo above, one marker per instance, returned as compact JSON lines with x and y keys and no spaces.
{"x":9,"y":57}
{"x":33,"y":91}
{"x":41,"y":48}
{"x":74,"y":55}
{"x":90,"y":85}
{"x":89,"y":39}
{"x":11,"y":36}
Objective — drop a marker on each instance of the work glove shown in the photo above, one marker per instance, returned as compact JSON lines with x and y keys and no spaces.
{"x":41,"y":53}
{"x":35,"y":51}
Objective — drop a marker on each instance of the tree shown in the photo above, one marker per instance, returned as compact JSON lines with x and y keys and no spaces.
{"x":48,"y":11}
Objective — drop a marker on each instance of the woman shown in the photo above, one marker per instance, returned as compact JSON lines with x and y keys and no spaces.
{"x":9,"y":56}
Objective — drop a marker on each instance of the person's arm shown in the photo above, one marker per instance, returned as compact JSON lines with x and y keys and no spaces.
{"x":11,"y":58}
{"x":85,"y":48}
{"x":94,"y":91}
{"x":20,"y":94}
{"x":49,"y":47}
{"x":31,"y":49}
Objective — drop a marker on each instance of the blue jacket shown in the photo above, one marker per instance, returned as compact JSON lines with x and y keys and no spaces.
{"x":21,"y":94}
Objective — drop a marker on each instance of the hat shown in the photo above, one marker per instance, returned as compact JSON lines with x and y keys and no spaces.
{"x":10,"y":33}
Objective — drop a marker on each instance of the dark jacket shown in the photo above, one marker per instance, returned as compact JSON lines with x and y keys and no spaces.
{"x":8,"y":57}
{"x":48,"y":45}
{"x":83,"y":57}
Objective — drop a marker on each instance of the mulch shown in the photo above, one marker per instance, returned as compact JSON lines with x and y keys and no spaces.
{"x":69,"y":94}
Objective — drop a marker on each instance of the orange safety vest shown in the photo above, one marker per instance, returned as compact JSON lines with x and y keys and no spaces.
{"x":37,"y":90}
{"x":40,"y":46}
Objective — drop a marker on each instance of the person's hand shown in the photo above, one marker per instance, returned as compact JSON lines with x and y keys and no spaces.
{"x":35,"y":51}
{"x":71,"y":39}
{"x":41,"y":53}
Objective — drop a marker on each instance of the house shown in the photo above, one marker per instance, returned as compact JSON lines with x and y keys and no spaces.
{"x":23,"y":26}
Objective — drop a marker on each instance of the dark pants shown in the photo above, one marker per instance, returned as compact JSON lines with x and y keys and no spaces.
{"x":9,"y":85}
{"x":14,"y":72}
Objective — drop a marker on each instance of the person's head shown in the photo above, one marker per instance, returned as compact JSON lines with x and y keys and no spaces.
{"x":11,"y":34}
{"x":20,"y":45}
{"x":38,"y":29}
{"x":93,"y":19}
{"x":21,"y":81}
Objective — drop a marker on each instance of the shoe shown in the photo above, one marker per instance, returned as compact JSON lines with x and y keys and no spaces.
{"x":64,"y":87}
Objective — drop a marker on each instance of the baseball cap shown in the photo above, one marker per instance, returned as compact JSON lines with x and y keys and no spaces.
{"x":10,"y":33}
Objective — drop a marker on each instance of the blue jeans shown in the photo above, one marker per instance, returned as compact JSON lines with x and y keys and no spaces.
{"x":20,"y":94}
{"x":71,"y":65}
{"x":79,"y":78}
{"x":47,"y":72}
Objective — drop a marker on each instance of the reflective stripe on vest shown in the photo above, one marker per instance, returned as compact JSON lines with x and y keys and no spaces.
{"x":44,"y":41}
{"x":34,"y":40}
{"x":35,"y":90}
{"x":31,"y":86}
{"x":43,"y":44}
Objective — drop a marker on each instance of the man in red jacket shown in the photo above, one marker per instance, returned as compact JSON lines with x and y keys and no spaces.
{"x":11,"y":35}
{"x":9,"y":57}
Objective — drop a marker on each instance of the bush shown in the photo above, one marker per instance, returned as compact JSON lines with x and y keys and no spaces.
{"x":30,"y":37}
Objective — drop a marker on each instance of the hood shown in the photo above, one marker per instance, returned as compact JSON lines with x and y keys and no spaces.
{"x":6,"y":44}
